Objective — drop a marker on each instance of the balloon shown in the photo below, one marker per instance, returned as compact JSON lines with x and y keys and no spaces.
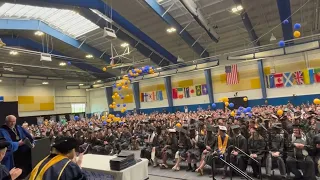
{"x":114,"y":103}
{"x":248,"y":109}
{"x":297,"y":34}
{"x":240,"y":108}
{"x":113,"y":96}
{"x":118,"y":105}
{"x":118,"y":84}
{"x":226,"y":104}
{"x":281,"y":43}
{"x":119,"y":88}
{"x":108,"y":120}
{"x":127,"y":95}
{"x":110,"y":106}
{"x":232,"y":113}
{"x":123,"y":87}
{"x":279,"y":112}
{"x":286,"y":21}
{"x":110,"y":116}
{"x":245,"y":110}
{"x":245,"y":99}
{"x":122,"y":110}
{"x":104,"y":69}
{"x":118,"y":115}
{"x":297,"y":26}
{"x":178,"y":125}
{"x":238,"y":112}
{"x":231,"y":105}
{"x":214,"y":105}
{"x":69,"y":63}
{"x":76,"y":118}
{"x":249,"y":115}
{"x":124,"y":105}
{"x":225,"y":99}
{"x":103,"y":117}
{"x":316,"y":101}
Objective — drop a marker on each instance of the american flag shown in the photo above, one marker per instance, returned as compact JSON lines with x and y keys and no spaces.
{"x":298,"y":77}
{"x":232,"y":74}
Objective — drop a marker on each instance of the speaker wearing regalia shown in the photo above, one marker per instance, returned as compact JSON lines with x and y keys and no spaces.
{"x":20,"y":143}
{"x":61,"y":164}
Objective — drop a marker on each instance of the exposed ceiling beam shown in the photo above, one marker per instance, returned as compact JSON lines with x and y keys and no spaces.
{"x":165,"y":16}
{"x":247,"y":24}
{"x":34,"y":46}
{"x":284,"y":9}
{"x":117,"y":18}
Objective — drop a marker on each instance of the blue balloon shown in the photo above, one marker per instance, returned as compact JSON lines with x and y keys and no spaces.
{"x":285,"y":21}
{"x":90,"y":123}
{"x":118,"y":105}
{"x":245,"y":110}
{"x":121,"y":123}
{"x":119,"y":88}
{"x":297,"y":26}
{"x":240,"y":108}
{"x":122,"y":97}
{"x":249,"y":114}
{"x":238,"y":112}
{"x":248,"y":109}
{"x":214,"y":105}
{"x":118,"y":115}
{"x":281,"y":43}
{"x":124,"y":105}
{"x":231,"y":105}
{"x":69,"y":63}
{"x":104,"y":123}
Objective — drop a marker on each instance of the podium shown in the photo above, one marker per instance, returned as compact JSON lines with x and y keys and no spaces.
{"x":41,"y":150}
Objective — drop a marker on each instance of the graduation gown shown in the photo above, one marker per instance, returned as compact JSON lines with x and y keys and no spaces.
{"x":57,"y":167}
{"x":5,"y":132}
{"x":4,"y":173}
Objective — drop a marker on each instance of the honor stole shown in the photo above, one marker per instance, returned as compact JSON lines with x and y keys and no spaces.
{"x":222,"y":147}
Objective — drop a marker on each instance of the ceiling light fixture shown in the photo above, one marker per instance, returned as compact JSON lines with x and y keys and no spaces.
{"x":99,"y":81}
{"x":80,"y":84}
{"x":13,"y":53}
{"x":39,"y":33}
{"x":89,"y":56}
{"x":0,"y":80}
{"x":237,"y":9}
{"x":45,"y":83}
{"x":171,"y":30}
{"x":62,"y":64}
{"x":124,"y":45}
{"x":159,"y":1}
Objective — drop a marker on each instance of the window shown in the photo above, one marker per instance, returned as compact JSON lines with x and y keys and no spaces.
{"x":76,"y":108}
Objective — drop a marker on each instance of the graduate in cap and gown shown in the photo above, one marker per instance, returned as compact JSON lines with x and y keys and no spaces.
{"x":61,"y":164}
{"x":237,"y":157}
{"x":5,"y":174}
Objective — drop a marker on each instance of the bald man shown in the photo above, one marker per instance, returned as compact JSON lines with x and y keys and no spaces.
{"x":20,"y":142}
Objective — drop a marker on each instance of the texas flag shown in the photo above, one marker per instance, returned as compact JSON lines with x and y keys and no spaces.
{"x":278,"y":80}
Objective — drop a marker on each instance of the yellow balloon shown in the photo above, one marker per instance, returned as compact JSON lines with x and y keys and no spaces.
{"x":280,"y":112}
{"x":110,"y":115}
{"x":123,"y":87}
{"x":122,"y":111}
{"x":297,"y":34}
{"x":103,"y":117}
{"x":178,"y":125}
{"x":127,"y":95}
{"x":114,"y":103}
{"x":245,"y":99}
{"x":226,"y":104}
{"x":113,"y":96}
{"x":316,"y":101}
{"x":225,"y":99}
{"x":118,"y":85}
{"x":110,"y":106}
{"x":232,"y":113}
{"x":104,"y":69}
{"x":108,"y":120}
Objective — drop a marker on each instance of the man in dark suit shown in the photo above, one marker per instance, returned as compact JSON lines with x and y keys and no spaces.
{"x":21,"y":143}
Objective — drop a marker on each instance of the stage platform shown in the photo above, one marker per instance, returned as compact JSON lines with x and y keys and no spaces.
{"x":98,"y":167}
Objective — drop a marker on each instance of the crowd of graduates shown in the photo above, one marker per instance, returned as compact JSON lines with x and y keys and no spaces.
{"x":288,"y":141}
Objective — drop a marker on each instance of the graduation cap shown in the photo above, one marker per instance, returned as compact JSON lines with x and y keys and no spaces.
{"x":4,"y":143}
{"x":172,"y":130}
{"x":182,"y":130}
{"x":77,"y":128}
{"x":222,"y":128}
{"x":65,"y":144}
{"x":201,"y":117}
{"x":185,"y":126}
{"x":209,"y":128}
{"x":192,"y":128}
{"x":297,"y":126}
{"x":235,"y":127}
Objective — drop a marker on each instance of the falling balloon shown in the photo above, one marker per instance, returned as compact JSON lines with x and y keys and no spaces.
{"x":281,"y":43}
{"x":297,"y":26}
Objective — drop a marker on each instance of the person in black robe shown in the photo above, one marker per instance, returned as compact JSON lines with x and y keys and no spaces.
{"x":237,"y":157}
{"x":61,"y":164}
{"x":171,"y":146}
{"x":5,"y":174}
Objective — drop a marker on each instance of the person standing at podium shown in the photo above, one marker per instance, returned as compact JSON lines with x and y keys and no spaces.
{"x":20,"y":143}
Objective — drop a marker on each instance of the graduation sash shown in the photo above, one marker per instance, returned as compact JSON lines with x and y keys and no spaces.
{"x":36,"y":175}
{"x":222,"y":147}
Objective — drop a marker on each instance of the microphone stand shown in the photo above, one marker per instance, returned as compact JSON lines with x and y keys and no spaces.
{"x":236,"y":169}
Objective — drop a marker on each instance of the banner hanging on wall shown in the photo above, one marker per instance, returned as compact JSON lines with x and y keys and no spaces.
{"x":191,"y":91}
{"x":151,"y":96}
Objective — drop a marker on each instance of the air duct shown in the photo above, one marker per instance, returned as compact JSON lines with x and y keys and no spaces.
{"x":201,"y":20}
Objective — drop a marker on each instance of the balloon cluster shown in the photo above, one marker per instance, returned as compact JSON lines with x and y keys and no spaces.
{"x":242,"y":110}
{"x":113,"y":118}
{"x":296,"y":33}
{"x":133,"y":73}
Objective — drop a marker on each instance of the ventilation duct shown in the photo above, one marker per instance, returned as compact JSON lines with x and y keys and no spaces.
{"x":201,"y":20}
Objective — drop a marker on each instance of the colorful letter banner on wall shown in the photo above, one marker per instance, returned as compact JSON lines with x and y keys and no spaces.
{"x":288,"y":79}
{"x":151,"y":96}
